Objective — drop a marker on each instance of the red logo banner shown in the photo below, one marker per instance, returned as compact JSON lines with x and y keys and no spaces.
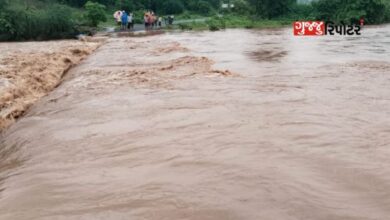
{"x":309,"y":28}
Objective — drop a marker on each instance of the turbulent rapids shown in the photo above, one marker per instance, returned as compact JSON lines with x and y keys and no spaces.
{"x":237,"y":124}
{"x":29,"y":71}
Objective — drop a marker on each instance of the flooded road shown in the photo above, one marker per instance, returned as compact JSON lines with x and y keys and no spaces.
{"x":237,"y":124}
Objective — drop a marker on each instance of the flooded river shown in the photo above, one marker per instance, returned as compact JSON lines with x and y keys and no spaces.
{"x":237,"y":124}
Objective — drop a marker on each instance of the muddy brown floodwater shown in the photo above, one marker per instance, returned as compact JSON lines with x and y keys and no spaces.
{"x":30,"y":70}
{"x":237,"y":124}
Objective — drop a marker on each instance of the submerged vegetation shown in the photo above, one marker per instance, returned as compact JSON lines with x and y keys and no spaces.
{"x":54,"y":19}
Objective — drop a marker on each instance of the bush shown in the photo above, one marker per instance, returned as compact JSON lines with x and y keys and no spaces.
{"x":95,"y":13}
{"x":301,"y":11}
{"x":216,"y":24}
{"x":173,"y":7}
{"x":6,"y":27}
{"x":387,"y":11}
{"x":127,"y":5}
{"x":215,"y":3}
{"x":350,"y":11}
{"x":184,"y":26}
{"x":242,"y":7}
{"x":269,"y":9}
{"x":54,"y":22}
{"x":3,"y":3}
{"x":185,"y":15}
{"x":203,"y":7}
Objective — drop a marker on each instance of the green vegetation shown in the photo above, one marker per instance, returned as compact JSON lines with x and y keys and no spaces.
{"x":50,"y":22}
{"x":277,"y":13}
{"x":233,"y":21}
{"x":387,"y":12}
{"x":202,"y":7}
{"x":95,"y":13}
{"x":53,"y":19}
{"x":373,"y":11}
{"x":271,"y":8}
{"x":172,"y":7}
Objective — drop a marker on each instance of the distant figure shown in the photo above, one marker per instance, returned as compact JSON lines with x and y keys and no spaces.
{"x":130,"y":24}
{"x":118,"y":17}
{"x":124,"y":19}
{"x":154,"y":19}
{"x":165,"y":21}
{"x":170,"y":19}
{"x":146,"y":20}
{"x":159,"y":22}
{"x":362,"y":21}
{"x":151,"y":20}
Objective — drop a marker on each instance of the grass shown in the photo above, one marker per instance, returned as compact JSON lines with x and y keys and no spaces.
{"x":188,"y":15}
{"x":231,"y":21}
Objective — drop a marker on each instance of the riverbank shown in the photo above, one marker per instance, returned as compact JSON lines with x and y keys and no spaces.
{"x":211,"y":23}
{"x":230,"y":21}
{"x":30,"y":70}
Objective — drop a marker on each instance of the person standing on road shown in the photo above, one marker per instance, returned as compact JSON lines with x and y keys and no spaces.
{"x":130,"y":24}
{"x":361,"y":21}
{"x":146,"y":20}
{"x":118,"y":17}
{"x":124,"y":20}
{"x":152,"y":19}
{"x":170,"y":19}
{"x":159,"y":22}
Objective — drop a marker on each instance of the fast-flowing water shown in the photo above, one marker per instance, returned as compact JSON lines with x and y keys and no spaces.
{"x":146,"y":128}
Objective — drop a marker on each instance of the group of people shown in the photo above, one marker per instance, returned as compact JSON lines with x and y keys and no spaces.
{"x":124,"y":20}
{"x":151,"y":20}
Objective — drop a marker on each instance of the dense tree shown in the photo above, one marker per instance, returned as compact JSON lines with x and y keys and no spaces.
{"x":6,"y":28}
{"x":128,"y":5}
{"x":53,"y":22}
{"x":173,"y":7}
{"x":3,"y":3}
{"x":271,"y":8}
{"x":95,"y":13}
{"x":78,"y":3}
{"x":350,"y":10}
{"x":242,"y":7}
{"x":387,"y":12}
{"x":203,"y":7}
{"x":214,"y":3}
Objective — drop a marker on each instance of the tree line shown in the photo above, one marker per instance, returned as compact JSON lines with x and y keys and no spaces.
{"x":376,"y":11}
{"x":51,"y":19}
